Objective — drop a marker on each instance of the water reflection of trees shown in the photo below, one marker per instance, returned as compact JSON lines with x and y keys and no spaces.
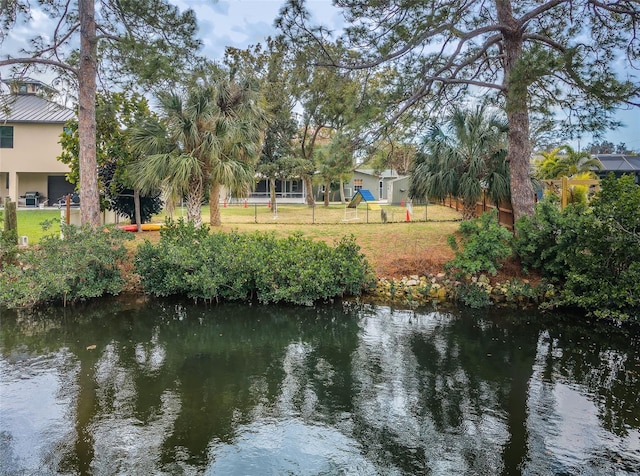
{"x":444,"y":389}
{"x":420,"y":392}
{"x":606,"y":361}
{"x":189,"y":374}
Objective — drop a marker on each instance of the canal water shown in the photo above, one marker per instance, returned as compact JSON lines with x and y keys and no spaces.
{"x":167,"y":387}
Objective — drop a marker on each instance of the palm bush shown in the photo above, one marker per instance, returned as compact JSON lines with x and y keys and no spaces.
{"x":463,"y":158}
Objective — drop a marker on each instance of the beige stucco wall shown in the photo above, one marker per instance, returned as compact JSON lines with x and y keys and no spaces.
{"x":32,"y":159}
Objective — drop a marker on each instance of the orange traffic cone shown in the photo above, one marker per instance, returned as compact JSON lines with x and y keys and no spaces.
{"x":408,"y":216}
{"x":245,"y":204}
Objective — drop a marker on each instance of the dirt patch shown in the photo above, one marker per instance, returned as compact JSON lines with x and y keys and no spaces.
{"x":396,"y":264}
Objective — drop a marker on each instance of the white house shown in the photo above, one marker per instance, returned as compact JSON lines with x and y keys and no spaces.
{"x":30,"y":128}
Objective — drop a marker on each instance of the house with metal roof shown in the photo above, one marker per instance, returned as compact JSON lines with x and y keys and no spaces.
{"x":30,"y":128}
{"x":619,"y":165}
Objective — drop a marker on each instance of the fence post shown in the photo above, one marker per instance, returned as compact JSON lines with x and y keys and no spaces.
{"x":255,"y":212}
{"x":313,"y":214}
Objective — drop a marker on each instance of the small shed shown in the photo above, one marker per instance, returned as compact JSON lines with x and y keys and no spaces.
{"x":361,"y":196}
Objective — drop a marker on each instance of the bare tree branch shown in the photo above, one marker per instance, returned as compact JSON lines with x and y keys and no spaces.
{"x":36,"y":60}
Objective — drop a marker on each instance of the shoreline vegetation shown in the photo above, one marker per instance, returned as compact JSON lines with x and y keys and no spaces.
{"x":582,"y":257}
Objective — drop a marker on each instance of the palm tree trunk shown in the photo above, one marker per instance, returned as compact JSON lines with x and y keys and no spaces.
{"x":468,"y":210}
{"x":214,"y":204}
{"x":194,"y":202}
{"x":169,"y":204}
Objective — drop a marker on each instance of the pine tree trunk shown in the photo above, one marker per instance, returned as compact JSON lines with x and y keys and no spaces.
{"x":519,"y":154}
{"x":214,"y":204}
{"x":88,"y":70}
{"x":194,"y":202}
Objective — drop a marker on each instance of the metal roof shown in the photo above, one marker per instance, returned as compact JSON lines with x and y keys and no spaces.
{"x":32,"y":108}
{"x":619,"y":163}
{"x":387,"y":173}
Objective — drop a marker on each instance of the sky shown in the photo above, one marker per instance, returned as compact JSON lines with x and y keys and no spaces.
{"x":240,"y":23}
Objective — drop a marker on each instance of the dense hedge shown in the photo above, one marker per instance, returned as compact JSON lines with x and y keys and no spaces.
{"x":85,"y":264}
{"x":589,"y":255}
{"x":233,"y":266}
{"x":592,"y":252}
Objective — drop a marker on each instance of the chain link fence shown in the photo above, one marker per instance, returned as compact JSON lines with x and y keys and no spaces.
{"x":245,"y":212}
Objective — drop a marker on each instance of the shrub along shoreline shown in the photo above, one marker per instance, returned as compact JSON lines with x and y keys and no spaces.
{"x":187,"y":261}
{"x":588,"y":256}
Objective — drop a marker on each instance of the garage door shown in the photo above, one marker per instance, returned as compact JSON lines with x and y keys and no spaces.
{"x":58,"y":187}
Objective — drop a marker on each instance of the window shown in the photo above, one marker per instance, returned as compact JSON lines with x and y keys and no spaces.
{"x":357,"y":184}
{"x":6,"y":137}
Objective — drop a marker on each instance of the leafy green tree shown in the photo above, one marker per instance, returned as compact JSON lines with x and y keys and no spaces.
{"x":529,"y":57}
{"x":608,"y":147}
{"x":604,"y":278}
{"x":546,"y":239}
{"x":273,"y":68}
{"x":333,"y":102}
{"x":334,"y":163}
{"x":116,"y":114}
{"x":208,"y":136}
{"x":144,"y":41}
{"x":462,"y":158}
{"x":238,"y":125}
{"x":393,"y":151}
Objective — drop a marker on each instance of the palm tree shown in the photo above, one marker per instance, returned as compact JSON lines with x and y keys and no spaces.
{"x":177,"y":148}
{"x":463,"y":158}
{"x":564,"y":161}
{"x":239,"y":124}
{"x":546,"y":166}
{"x":207,"y":136}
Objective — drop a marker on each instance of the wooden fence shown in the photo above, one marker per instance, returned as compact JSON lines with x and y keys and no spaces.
{"x":505,"y":210}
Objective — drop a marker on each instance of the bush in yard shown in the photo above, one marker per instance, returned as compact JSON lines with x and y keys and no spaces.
{"x":8,"y":244}
{"x":233,"y":266}
{"x":546,"y":240}
{"x":482,"y":243}
{"x":85,"y":264}
{"x":604,"y":277}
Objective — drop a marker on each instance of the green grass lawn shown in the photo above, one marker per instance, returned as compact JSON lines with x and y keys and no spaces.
{"x":30,"y":223}
{"x":392,"y":247}
{"x":335,"y":214}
